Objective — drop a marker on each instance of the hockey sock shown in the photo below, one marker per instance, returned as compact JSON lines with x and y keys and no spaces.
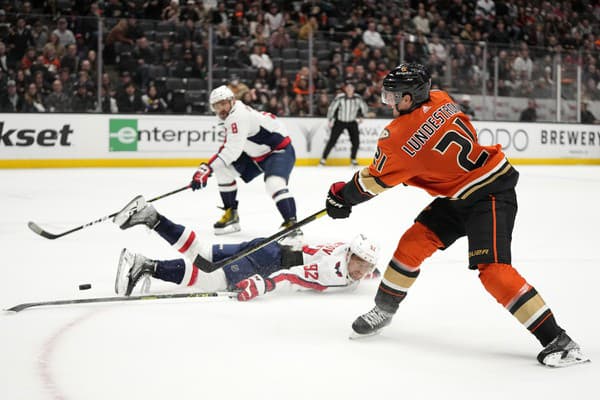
{"x":277,"y":188}
{"x":169,"y":230}
{"x":228,"y":196}
{"x":417,"y":243}
{"x":287,"y":208}
{"x":522,"y":300}
{"x":170,"y":270}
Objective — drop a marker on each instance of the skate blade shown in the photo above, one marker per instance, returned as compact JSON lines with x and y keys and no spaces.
{"x":357,"y":336}
{"x":556,"y":361}
{"x":125,"y":262}
{"x":228,"y":229}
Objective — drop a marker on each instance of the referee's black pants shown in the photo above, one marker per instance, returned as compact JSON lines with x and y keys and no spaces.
{"x":336,"y":131}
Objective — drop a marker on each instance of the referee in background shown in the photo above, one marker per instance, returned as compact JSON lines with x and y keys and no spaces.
{"x":342,"y":114}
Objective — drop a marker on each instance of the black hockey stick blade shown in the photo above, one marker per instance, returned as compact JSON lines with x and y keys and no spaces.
{"x":24,"y":306}
{"x":48,"y":235}
{"x":276,"y":236}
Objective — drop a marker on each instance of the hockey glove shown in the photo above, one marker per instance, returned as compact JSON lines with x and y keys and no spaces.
{"x":201,"y":176}
{"x":254,"y":286}
{"x":335,"y":204}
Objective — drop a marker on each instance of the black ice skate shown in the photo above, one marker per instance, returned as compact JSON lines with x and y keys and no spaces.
{"x":562,"y":352}
{"x":229,"y":222}
{"x":137,"y":212}
{"x":133,"y":268}
{"x":294,"y":239}
{"x":371,"y":323}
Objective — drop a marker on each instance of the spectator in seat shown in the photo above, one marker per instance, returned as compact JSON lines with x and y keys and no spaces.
{"x":29,"y":58}
{"x":153,"y":103}
{"x":274,"y":18}
{"x":144,"y":56}
{"x":130,"y":101}
{"x":70,"y":59}
{"x":39,"y":33}
{"x":65,"y":35}
{"x":260,"y":59}
{"x":241,"y":58}
{"x":223,"y":36}
{"x":118,"y":34}
{"x":11,"y":100}
{"x":32,"y":101}
{"x":421,"y":20}
{"x":58,"y":101}
{"x":109,"y":103}
{"x":59,"y":49}
{"x":184,"y":67}
{"x":587,"y":117}
{"x":165,"y":54}
{"x":199,"y":69}
{"x":311,"y":26}
{"x":82,"y":100}
{"x":529,"y":114}
{"x":299,"y":106}
{"x":465,"y":106}
{"x":238,"y":88}
{"x":50,"y":60}
{"x":279,"y":39}
{"x":19,"y":40}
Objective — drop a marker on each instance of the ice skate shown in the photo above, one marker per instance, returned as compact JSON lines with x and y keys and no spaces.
{"x":562,"y":352}
{"x":294,"y":239}
{"x":133,"y":268}
{"x":229,"y":222}
{"x":137,"y":212}
{"x":354,"y":163}
{"x":371,"y":323}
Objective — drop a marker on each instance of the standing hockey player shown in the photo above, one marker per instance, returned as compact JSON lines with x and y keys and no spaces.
{"x":433,"y":146}
{"x":255,"y":142}
{"x":335,"y":265}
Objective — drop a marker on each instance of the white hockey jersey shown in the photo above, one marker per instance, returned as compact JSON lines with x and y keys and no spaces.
{"x":253,"y":132}
{"x":325,"y":267}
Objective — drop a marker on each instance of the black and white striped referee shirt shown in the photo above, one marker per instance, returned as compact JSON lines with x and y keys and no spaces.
{"x":345,"y":109}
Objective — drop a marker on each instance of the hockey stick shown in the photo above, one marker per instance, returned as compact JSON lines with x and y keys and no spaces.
{"x":24,"y":306}
{"x":37,"y":229}
{"x":210,"y":267}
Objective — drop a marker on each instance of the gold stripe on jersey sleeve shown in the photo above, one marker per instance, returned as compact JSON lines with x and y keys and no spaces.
{"x":368,"y":183}
{"x":527,"y":310}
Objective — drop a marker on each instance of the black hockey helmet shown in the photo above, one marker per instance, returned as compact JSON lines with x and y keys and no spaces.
{"x":413,"y":79}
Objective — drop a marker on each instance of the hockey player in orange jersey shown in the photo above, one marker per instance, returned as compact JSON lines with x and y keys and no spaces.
{"x":433,"y":146}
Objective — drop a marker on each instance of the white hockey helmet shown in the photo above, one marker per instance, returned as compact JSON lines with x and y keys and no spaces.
{"x":365,"y":248}
{"x":219,"y":94}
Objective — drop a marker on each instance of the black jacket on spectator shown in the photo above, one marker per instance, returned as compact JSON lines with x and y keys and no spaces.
{"x":130,"y":104}
{"x":20,"y":42}
{"x":11,"y":105}
{"x":83,"y":102}
{"x":58,"y":102}
{"x":528,"y":115}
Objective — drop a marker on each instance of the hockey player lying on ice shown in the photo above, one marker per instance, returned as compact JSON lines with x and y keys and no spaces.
{"x":334,"y":265}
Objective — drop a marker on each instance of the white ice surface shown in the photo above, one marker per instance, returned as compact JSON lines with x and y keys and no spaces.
{"x":450,"y":339}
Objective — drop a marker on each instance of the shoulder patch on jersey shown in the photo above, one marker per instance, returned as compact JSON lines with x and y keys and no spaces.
{"x":384,"y":135}
{"x":426,"y":108}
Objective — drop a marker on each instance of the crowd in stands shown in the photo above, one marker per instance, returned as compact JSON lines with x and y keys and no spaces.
{"x":156,"y":52}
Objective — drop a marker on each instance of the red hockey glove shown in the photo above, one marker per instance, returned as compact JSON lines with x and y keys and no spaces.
{"x":335,"y":204}
{"x":254,"y":286}
{"x":201,"y":176}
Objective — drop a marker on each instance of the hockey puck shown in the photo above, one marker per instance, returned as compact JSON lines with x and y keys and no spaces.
{"x":85,"y":286}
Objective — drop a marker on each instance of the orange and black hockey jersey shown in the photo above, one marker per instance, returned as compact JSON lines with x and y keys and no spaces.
{"x":434,"y":147}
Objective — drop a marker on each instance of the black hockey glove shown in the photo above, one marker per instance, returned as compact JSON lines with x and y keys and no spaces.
{"x":335,"y":204}
{"x":201,"y":176}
